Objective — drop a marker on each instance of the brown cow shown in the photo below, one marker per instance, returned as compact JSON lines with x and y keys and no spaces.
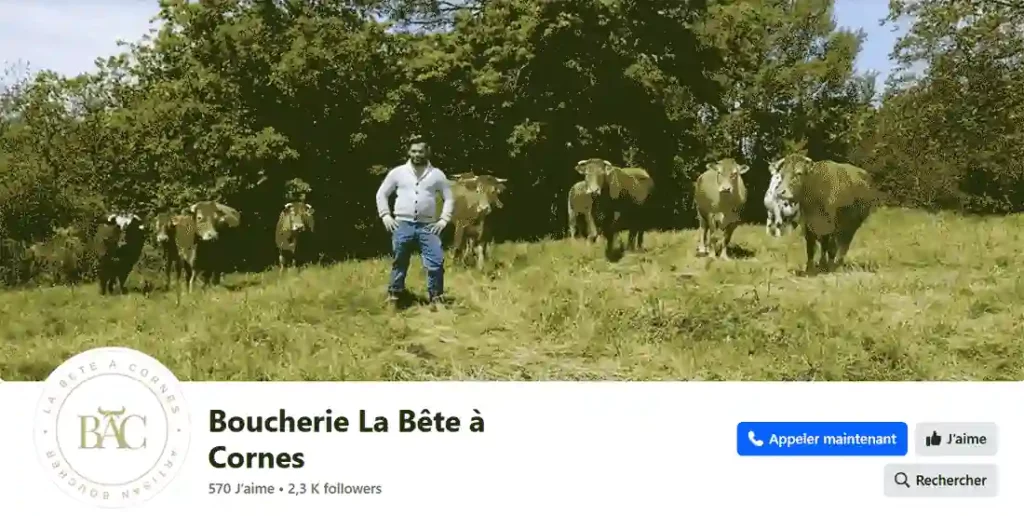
{"x":199,"y":235}
{"x":835,"y":199}
{"x":620,"y":196}
{"x":295,"y":226}
{"x":475,"y":198}
{"x":719,"y":196}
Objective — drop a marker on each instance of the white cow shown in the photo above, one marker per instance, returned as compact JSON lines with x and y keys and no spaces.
{"x":780,"y":211}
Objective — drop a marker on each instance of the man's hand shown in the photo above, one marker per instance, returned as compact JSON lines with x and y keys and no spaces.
{"x":438,"y":227}
{"x":390,"y":223}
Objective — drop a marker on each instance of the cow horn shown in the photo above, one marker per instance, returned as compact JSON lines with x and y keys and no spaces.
{"x":192,"y":209}
{"x":111,"y":217}
{"x":500,"y":180}
{"x":607,"y":163}
{"x":288,"y":205}
{"x":809,"y":160}
{"x":581,"y":162}
{"x":308,"y":207}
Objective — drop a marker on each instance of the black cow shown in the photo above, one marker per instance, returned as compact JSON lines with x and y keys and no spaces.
{"x":118,"y":245}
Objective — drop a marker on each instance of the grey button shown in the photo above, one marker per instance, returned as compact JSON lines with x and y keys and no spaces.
{"x":941,"y":480}
{"x":948,"y":439}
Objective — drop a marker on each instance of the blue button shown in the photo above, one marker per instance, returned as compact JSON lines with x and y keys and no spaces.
{"x":821,"y":439}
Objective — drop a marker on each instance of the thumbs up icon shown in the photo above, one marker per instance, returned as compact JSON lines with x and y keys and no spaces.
{"x":933,"y":440}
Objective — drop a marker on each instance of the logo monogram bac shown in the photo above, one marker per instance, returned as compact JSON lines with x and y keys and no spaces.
{"x":112,"y":428}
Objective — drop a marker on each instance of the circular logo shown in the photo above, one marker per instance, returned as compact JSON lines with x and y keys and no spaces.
{"x":112,"y":428}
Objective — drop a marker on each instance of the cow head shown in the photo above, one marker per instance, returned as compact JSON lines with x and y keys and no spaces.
{"x":212,"y":217}
{"x":163,"y":226}
{"x":791,"y":170}
{"x":491,"y":187}
{"x":727,"y":174}
{"x":486,"y":191}
{"x":297,"y":217}
{"x":130,"y":227}
{"x":596,"y":173}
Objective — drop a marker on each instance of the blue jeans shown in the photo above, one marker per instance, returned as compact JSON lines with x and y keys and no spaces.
{"x":407,"y":237}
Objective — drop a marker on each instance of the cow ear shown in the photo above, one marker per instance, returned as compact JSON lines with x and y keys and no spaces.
{"x":744,"y":169}
{"x":192,"y":209}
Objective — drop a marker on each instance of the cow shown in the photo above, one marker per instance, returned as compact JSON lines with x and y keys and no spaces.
{"x":620,"y":194}
{"x":164,"y":225}
{"x":581,"y":203}
{"x":719,"y":196}
{"x":295,"y":226}
{"x":834,"y":198}
{"x":476,"y":196}
{"x":781,"y":213}
{"x":118,"y":244}
{"x":199,"y":235}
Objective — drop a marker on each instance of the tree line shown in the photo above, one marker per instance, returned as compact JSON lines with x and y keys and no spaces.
{"x":255,"y":102}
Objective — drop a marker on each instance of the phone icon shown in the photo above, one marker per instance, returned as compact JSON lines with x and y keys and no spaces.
{"x":754,"y":440}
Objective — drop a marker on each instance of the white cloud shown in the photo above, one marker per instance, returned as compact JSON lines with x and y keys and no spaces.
{"x":68,"y":35}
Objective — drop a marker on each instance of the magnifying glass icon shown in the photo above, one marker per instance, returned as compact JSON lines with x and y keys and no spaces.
{"x":901,"y":479}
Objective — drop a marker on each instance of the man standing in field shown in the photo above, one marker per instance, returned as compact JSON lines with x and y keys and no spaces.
{"x":413,"y":226}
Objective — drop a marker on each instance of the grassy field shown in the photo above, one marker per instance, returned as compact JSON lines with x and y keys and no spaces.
{"x":925,"y":297}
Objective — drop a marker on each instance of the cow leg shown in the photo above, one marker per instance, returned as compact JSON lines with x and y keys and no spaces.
{"x":481,"y":246}
{"x":591,"y":226}
{"x":457,"y":241}
{"x":609,"y":231}
{"x":828,"y":249}
{"x":480,"y":256}
{"x":812,"y":242}
{"x":190,"y":275}
{"x":168,"y":263}
{"x":727,"y":240}
{"x":640,"y":227}
{"x":847,"y":230}
{"x":280,"y":262}
{"x":572,"y":223}
{"x":824,"y":243}
{"x":702,"y":235}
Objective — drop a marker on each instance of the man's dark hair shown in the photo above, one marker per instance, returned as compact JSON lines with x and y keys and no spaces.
{"x":418,"y":139}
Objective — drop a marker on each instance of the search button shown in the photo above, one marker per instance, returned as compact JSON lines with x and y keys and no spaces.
{"x":901,"y":479}
{"x":941,"y":480}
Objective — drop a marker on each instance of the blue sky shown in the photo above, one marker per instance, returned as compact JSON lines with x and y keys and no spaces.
{"x":68,"y":35}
